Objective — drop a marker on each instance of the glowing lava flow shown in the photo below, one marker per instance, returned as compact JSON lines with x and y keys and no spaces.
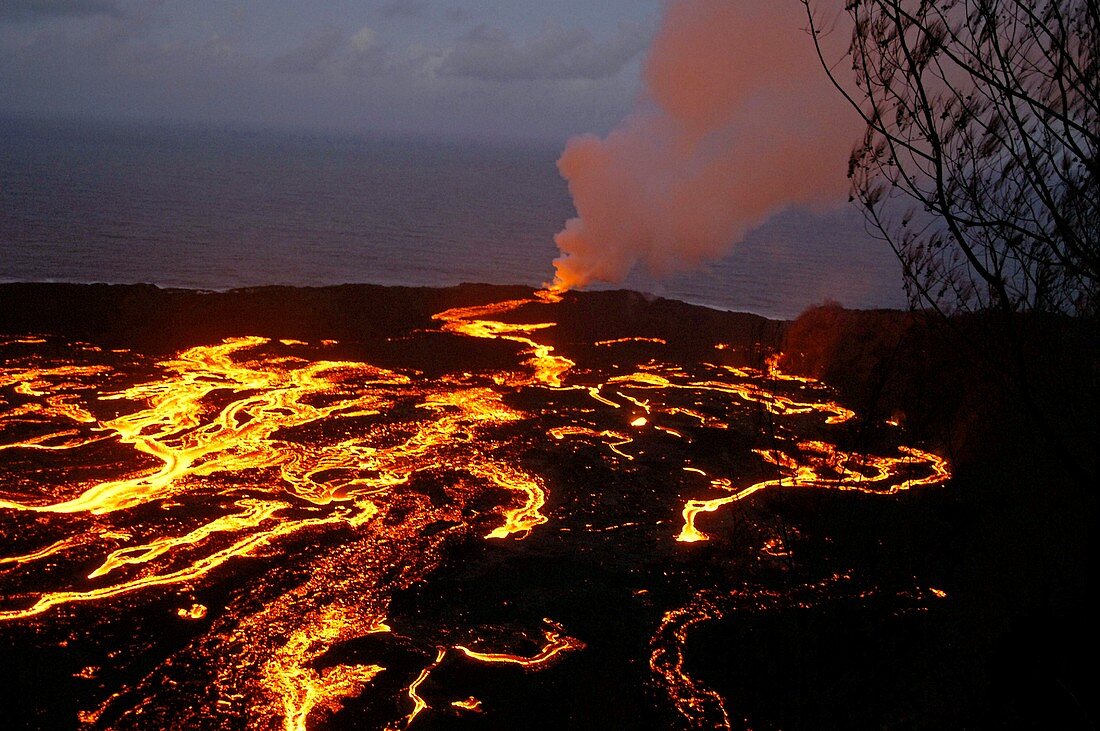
{"x":814,"y":463}
{"x":197,"y":443}
{"x":55,"y":547}
{"x":303,"y":688}
{"x":228,"y":448}
{"x":521,"y":520}
{"x":620,"y":341}
{"x":693,"y":700}
{"x":827,"y":468}
{"x":419,"y":704}
{"x":468,"y":704}
{"x":557,"y":643}
{"x":324,"y":487}
{"x":175,"y":430}
{"x":476,"y":322}
{"x":776,"y":404}
{"x":699,"y":705}
{"x":193,"y":571}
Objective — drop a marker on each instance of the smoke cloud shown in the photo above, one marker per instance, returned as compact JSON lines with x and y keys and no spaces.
{"x":736,"y":122}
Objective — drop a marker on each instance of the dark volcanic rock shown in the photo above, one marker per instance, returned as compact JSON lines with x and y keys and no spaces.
{"x":146,"y":317}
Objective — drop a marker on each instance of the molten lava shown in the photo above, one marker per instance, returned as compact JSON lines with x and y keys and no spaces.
{"x":329,"y":486}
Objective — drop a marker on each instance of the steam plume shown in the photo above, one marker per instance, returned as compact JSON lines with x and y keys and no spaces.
{"x":736,"y":122}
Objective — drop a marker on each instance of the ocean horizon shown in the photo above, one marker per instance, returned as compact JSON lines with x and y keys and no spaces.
{"x":217,"y":208}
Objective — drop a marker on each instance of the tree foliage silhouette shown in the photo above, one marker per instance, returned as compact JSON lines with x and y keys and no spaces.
{"x":979,"y":161}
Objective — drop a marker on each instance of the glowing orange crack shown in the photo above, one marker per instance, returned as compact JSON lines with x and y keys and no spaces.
{"x":614,"y":439}
{"x":557,"y":642}
{"x":474,"y":322}
{"x":419,"y":704}
{"x":775,"y":403}
{"x":618,"y":341}
{"x":824,"y":456}
{"x":199,"y":568}
{"x":468,"y":704}
{"x":55,"y":547}
{"x":255,"y":512}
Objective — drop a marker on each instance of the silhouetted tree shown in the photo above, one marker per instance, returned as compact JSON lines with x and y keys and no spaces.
{"x":979,"y":162}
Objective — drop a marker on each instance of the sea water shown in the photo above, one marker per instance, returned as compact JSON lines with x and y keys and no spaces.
{"x":217,"y":208}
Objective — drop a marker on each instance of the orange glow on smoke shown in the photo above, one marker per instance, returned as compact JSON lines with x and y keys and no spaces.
{"x":657,"y":192}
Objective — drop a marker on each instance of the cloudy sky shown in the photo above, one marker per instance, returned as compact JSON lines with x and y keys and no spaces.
{"x":509,"y":68}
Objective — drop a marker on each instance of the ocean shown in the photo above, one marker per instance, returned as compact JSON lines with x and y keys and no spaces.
{"x":218,"y":208}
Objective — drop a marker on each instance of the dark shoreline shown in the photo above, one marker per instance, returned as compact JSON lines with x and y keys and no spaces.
{"x":162,"y":320}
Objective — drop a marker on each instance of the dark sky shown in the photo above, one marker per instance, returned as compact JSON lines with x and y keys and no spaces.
{"x":507,"y":68}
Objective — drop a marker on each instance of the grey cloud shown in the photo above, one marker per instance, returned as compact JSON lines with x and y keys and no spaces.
{"x":456,"y":15}
{"x":27,"y":10}
{"x":313,"y":55}
{"x":338,"y":53}
{"x":554,"y":53}
{"x":402,"y":9}
{"x":340,"y":77}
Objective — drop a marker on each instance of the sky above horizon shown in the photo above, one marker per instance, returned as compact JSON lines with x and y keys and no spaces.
{"x":685,"y":124}
{"x":484,"y":68}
